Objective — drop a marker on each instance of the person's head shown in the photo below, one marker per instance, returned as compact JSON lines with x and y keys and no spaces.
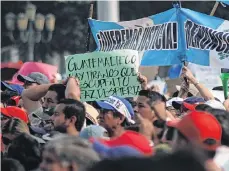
{"x":26,"y":150}
{"x":69,"y":113}
{"x":171,"y":109}
{"x":222,"y":116}
{"x":11,"y":165}
{"x":4,"y":117}
{"x":56,"y":92}
{"x":13,"y":112}
{"x":68,"y":153}
{"x":178,"y":161}
{"x":33,"y":79}
{"x":12,"y":128}
{"x":187,"y":105}
{"x":115,"y":112}
{"x":199,"y":129}
{"x":6,"y":97}
{"x":11,"y":87}
{"x":151,"y":104}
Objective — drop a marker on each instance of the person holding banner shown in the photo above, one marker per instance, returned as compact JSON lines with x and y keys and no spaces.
{"x":204,"y":92}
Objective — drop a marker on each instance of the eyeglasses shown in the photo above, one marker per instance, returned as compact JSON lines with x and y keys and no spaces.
{"x":6,"y":141}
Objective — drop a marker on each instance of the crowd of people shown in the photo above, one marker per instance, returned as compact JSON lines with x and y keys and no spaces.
{"x":46,"y":127}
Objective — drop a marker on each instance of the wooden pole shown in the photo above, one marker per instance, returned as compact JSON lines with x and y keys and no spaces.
{"x":214,"y":8}
{"x":88,"y":30}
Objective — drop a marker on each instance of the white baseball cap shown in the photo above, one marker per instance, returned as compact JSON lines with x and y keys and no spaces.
{"x":215,"y":104}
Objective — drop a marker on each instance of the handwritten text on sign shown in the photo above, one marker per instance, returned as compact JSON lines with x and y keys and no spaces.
{"x":102,"y":74}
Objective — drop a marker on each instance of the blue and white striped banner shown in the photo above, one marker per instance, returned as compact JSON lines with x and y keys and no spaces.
{"x":168,"y":38}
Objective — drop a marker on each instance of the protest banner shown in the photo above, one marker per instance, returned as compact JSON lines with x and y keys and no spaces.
{"x":168,"y":38}
{"x":102,"y":74}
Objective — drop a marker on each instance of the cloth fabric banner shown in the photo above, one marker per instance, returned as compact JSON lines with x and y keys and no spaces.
{"x":102,"y":74}
{"x":168,"y":38}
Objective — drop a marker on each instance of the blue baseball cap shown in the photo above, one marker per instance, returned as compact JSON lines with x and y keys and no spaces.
{"x":119,"y":104}
{"x":11,"y":87}
{"x":190,"y":100}
{"x":115,"y":152}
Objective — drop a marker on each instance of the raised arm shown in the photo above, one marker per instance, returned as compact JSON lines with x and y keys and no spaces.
{"x":204,"y":92}
{"x":32,"y":96}
{"x":143,"y":81}
{"x":72,"y":89}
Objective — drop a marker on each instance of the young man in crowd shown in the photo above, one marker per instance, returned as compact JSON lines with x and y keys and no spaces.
{"x":199,"y":130}
{"x":69,"y":116}
{"x":115,"y":114}
{"x":51,"y":94}
{"x":222,"y":153}
{"x":151,"y":105}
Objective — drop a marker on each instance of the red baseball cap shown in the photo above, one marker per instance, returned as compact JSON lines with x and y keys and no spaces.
{"x":15,"y":112}
{"x":189,"y":106}
{"x":200,"y":128}
{"x":132,"y":139}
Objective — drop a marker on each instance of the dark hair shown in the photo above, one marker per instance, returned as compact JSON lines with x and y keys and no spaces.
{"x":59,"y":89}
{"x":6,"y":97}
{"x":119,"y":115}
{"x":203,"y":107}
{"x":223,"y":118}
{"x":131,"y":101}
{"x":74,"y":108}
{"x":153,"y":96}
{"x":116,"y":114}
{"x":25,"y":149}
{"x":15,"y":126}
{"x":9,"y":164}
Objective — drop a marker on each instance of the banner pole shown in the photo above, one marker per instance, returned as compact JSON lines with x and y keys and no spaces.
{"x":214,"y":8}
{"x":88,"y":30}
